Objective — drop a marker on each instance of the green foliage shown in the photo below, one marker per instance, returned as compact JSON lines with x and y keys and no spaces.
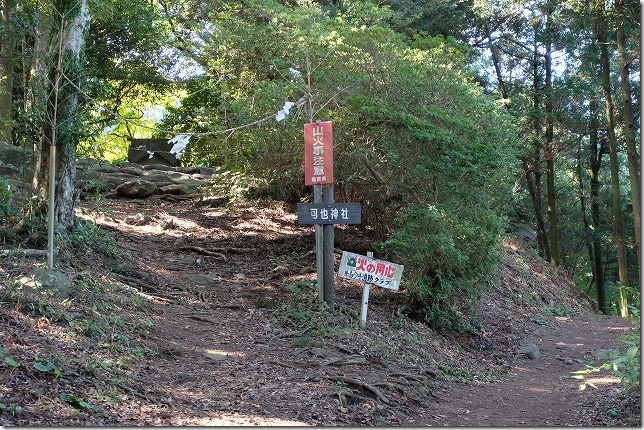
{"x":47,"y":366}
{"x":449,"y":258}
{"x":129,"y":63}
{"x":21,"y":216}
{"x":7,"y":358}
{"x":408,"y":110}
{"x":87,"y":327}
{"x":628,"y":364}
{"x":6,"y":200}
{"x":614,"y":292}
{"x":562,"y":311}
{"x":302,"y":312}
{"x":79,"y":404}
{"x":12,"y":408}
{"x":88,"y":237}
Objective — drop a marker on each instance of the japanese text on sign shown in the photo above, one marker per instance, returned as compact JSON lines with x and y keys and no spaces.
{"x":370,"y":271}
{"x":333,"y":213}
{"x":328,"y":213}
{"x":318,"y":153}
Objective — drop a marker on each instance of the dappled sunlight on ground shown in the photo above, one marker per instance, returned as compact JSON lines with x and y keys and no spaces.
{"x":215,"y":321}
{"x":236,"y":419}
{"x":603,"y":380}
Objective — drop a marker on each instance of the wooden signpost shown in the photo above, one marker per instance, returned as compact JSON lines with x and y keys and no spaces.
{"x":318,"y":171}
{"x":324,"y":213}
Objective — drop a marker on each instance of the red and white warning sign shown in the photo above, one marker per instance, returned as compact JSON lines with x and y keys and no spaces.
{"x":318,"y":153}
{"x":370,"y":271}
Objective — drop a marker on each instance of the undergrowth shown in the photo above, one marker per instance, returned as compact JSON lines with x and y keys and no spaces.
{"x":89,"y":334}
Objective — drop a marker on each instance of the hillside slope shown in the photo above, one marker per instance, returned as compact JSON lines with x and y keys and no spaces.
{"x":198,"y":312}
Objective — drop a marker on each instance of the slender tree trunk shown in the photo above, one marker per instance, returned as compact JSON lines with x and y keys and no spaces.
{"x":533,"y":168}
{"x":629,"y":126}
{"x":600,"y":29}
{"x":72,"y":38}
{"x":550,"y":153}
{"x":7,"y":47}
{"x":494,"y":51}
{"x":37,"y":83}
{"x":595,"y":165}
{"x":583,"y":205}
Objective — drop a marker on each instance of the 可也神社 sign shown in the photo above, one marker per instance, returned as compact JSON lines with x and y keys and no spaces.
{"x":329,"y":213}
{"x":370,"y":271}
{"x":318,"y":153}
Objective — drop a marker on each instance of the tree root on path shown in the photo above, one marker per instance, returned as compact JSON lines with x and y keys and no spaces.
{"x":200,"y":250}
{"x":368,"y":387}
{"x":346,"y":361}
{"x":142,"y":287}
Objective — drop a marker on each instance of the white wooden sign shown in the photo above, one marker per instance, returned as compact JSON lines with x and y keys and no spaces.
{"x":370,"y":271}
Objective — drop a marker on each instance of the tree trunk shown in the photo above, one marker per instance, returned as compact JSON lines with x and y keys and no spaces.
{"x":600,"y":31}
{"x":65,"y":104}
{"x":494,"y":51}
{"x":550,"y":153}
{"x":533,"y":169}
{"x":36,"y":82}
{"x":7,"y":47}
{"x":629,"y":126}
{"x":595,"y":165}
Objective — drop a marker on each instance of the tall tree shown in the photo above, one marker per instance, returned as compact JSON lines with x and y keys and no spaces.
{"x":7,"y":47}
{"x":624,"y":60}
{"x":62,"y":124}
{"x":550,"y":151}
{"x":618,"y":220}
{"x":596,"y":257}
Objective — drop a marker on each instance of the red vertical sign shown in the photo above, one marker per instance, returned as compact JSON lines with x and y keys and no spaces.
{"x":318,"y":153}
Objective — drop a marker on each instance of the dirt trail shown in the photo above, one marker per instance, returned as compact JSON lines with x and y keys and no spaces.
{"x":229,"y":364}
{"x":235,"y":339}
{"x":541,"y":392}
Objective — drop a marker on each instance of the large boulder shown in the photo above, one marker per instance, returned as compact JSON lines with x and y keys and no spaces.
{"x":41,"y":282}
{"x":189,"y":185}
{"x":137,"y":189}
{"x":135,"y":181}
{"x":158,"y":176}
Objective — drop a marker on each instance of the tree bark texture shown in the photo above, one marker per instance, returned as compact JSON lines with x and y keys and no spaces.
{"x":66,"y":105}
{"x":600,"y":31}
{"x":629,"y":126}
{"x":7,"y":47}
{"x":595,"y":165}
{"x":550,"y":151}
{"x":533,"y":168}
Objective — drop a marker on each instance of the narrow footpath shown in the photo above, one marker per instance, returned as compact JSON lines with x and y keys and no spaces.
{"x":541,"y":392}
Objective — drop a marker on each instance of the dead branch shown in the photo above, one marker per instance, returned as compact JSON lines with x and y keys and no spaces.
{"x":228,"y":306}
{"x":200,"y":250}
{"x":177,"y":197}
{"x":343,"y":348}
{"x":283,"y":364}
{"x":233,"y":249}
{"x":413,"y":377}
{"x":382,"y":181}
{"x":287,"y":334}
{"x":359,"y":383}
{"x":133,"y":282}
{"x":24,"y":253}
{"x":346,"y":361}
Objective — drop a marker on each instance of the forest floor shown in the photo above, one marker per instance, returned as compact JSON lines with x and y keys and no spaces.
{"x":212,"y":319}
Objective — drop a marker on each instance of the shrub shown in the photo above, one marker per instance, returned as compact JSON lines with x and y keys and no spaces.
{"x":449,"y":257}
